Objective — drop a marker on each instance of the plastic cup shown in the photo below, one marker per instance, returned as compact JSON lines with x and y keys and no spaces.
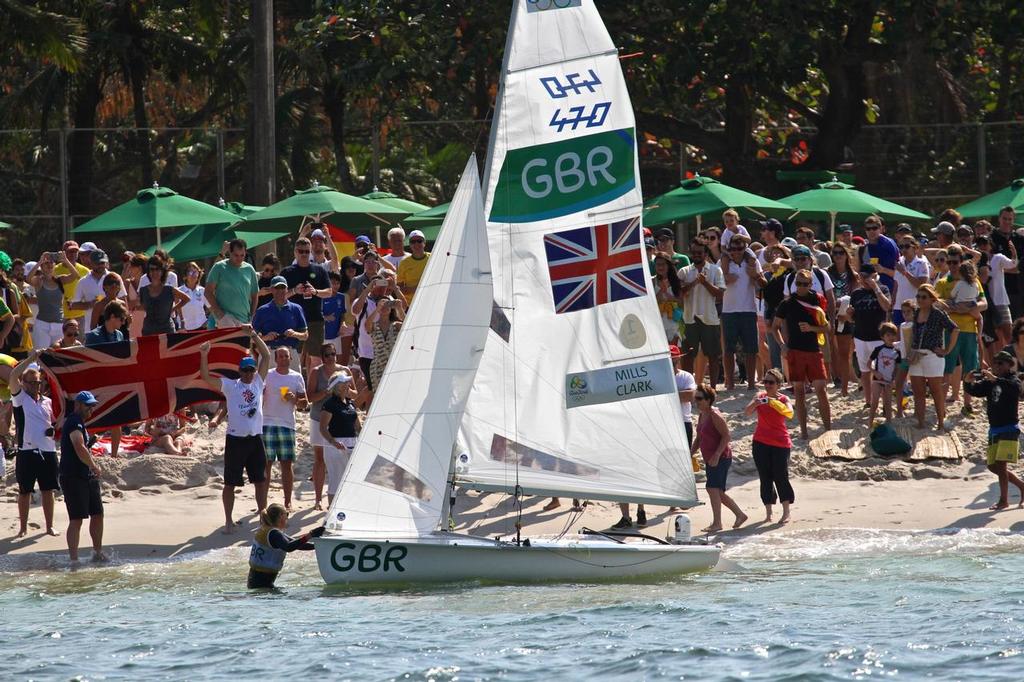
{"x":284,"y":393}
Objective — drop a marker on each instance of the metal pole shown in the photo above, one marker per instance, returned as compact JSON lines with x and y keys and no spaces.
{"x":65,"y":226}
{"x":220,"y":163}
{"x":375,"y":147}
{"x":982,"y":170}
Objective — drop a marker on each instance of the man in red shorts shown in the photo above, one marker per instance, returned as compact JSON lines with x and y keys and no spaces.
{"x":798,"y":322}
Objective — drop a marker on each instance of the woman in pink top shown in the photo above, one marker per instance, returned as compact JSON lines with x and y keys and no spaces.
{"x":713,"y":442}
{"x":772,"y":445}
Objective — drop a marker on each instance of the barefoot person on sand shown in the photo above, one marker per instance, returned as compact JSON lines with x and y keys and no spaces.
{"x":713,"y":442}
{"x":37,"y":454}
{"x":80,"y":479}
{"x":243,"y":446}
{"x":1001,"y":391}
{"x":772,"y":445}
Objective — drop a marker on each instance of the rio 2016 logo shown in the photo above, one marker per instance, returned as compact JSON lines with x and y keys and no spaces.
{"x":545,"y":5}
{"x":578,"y":384}
{"x":564,"y":177}
{"x":371,"y":558}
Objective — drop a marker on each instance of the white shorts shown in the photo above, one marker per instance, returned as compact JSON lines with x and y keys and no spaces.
{"x":315,"y":439}
{"x":930,"y":366}
{"x":864,"y":350}
{"x":45,"y":334}
{"x":336,"y":461}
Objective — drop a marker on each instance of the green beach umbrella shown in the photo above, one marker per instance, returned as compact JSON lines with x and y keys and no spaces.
{"x":205,"y":241}
{"x":989,"y":205}
{"x":429,"y":221}
{"x":157,"y":208}
{"x":833,"y":199}
{"x":320,"y":202}
{"x":395,"y":201}
{"x":701,"y":198}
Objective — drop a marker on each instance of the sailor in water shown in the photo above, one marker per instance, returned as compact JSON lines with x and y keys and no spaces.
{"x":271,"y":544}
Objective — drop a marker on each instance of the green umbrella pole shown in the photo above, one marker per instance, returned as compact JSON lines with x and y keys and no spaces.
{"x":832,"y":220}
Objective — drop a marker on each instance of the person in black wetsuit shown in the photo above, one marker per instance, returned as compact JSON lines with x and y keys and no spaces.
{"x":271,"y":544}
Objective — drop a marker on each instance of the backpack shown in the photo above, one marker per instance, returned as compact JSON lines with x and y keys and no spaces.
{"x":818,"y":272}
{"x":887,"y":443}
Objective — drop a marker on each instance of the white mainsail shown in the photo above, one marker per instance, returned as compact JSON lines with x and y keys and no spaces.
{"x":396,"y":481}
{"x":575,"y":393}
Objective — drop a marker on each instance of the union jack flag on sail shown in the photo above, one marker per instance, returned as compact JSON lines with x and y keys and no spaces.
{"x":590,"y":266}
{"x":144,"y":378}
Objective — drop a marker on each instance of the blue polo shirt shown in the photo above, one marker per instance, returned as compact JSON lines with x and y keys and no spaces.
{"x":70,"y":464}
{"x":274,"y":318}
{"x":99,"y":335}
{"x":334,"y":307}
{"x":887,"y":254}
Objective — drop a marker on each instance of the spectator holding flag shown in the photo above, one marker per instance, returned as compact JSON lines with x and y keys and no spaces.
{"x":243,"y":446}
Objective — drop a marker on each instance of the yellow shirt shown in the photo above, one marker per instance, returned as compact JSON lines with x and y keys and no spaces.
{"x":70,"y":289}
{"x":410,"y":271}
{"x":965,"y":322}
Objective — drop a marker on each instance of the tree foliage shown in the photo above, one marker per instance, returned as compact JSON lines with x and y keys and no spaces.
{"x":744,"y":88}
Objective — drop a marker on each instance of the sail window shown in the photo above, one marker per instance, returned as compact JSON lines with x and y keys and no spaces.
{"x":508,"y":451}
{"x":500,"y":324}
{"x":389,"y":475}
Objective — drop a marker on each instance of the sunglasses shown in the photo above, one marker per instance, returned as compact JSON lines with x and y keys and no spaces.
{"x":801,"y":258}
{"x":769,"y":382}
{"x":712,"y":237}
{"x":923,"y":297}
{"x":247,"y":369}
{"x":940,"y":260}
{"x":737,"y":248}
{"x":416,"y":241}
{"x":803,"y":284}
{"x":303,"y":252}
{"x":871,"y":228}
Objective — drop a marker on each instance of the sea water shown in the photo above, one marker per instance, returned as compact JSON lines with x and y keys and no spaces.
{"x":802,"y":605}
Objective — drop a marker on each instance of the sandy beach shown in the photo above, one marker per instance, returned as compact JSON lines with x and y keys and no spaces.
{"x":162,"y":506}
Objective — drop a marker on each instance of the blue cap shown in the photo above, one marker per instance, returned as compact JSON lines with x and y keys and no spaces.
{"x":362,"y":239}
{"x":86,"y":398}
{"x":247,"y":362}
{"x":278,"y":281}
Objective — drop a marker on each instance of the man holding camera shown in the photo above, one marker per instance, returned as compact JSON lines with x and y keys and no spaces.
{"x":36,"y":458}
{"x":381,"y":286}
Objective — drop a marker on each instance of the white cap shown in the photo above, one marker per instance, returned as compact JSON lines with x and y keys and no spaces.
{"x":87,"y":246}
{"x":339,"y":378}
{"x":317,"y":234}
{"x":29,"y":266}
{"x":417,"y":233}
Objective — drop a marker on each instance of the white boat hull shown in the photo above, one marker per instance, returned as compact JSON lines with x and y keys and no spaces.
{"x":447,"y":557}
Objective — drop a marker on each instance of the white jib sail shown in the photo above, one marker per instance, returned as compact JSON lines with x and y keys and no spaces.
{"x":575,"y":394}
{"x":396,"y":481}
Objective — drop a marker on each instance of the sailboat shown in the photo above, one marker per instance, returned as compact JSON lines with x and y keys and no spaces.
{"x":533,"y":362}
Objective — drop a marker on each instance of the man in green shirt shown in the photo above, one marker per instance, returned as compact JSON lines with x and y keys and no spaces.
{"x":232,"y":288}
{"x":666,"y":241}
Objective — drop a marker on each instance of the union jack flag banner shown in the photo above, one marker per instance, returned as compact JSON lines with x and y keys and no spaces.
{"x":590,"y":266}
{"x":144,"y":378}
